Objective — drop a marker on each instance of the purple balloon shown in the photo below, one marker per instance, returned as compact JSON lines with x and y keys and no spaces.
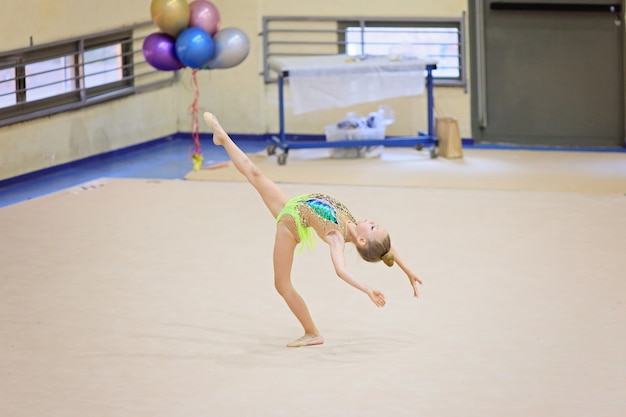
{"x":204,"y":14}
{"x":159,"y":49}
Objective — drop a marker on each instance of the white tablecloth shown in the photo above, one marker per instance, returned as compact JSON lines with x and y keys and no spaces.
{"x":319,"y":82}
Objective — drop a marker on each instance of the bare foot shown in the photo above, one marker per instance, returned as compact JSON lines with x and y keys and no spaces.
{"x":218,"y":130}
{"x":306,"y":340}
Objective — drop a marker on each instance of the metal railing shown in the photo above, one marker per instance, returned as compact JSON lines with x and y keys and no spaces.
{"x":437,"y":39}
{"x":42,"y":80}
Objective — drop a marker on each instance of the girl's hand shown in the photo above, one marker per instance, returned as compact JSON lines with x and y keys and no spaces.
{"x":412,"y":277}
{"x":377,"y":297}
{"x":414,"y":281}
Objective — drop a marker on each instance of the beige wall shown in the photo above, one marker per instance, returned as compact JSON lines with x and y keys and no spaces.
{"x":262,"y":115}
{"x":66,"y":137}
{"x":238,"y":95}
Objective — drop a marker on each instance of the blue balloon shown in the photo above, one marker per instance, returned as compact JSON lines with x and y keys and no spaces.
{"x":194,"y":47}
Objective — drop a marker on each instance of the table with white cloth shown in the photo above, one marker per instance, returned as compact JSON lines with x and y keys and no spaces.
{"x":327,"y":81}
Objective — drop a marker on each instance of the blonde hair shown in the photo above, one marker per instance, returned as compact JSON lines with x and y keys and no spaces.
{"x":376,"y":251}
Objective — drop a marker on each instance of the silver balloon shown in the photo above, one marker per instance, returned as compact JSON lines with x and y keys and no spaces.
{"x":231,"y":48}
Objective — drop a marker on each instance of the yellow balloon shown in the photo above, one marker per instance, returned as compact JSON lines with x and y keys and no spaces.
{"x":171,"y":16}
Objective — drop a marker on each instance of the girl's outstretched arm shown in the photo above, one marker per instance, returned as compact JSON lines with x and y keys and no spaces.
{"x":412,"y":277}
{"x":337,"y":246}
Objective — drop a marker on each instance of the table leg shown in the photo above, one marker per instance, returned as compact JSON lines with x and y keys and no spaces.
{"x":281,"y":109}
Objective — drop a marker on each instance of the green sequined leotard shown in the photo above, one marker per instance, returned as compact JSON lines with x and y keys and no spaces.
{"x":305,"y":209}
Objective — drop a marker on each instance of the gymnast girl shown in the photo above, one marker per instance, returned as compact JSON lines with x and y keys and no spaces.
{"x":322,"y":214}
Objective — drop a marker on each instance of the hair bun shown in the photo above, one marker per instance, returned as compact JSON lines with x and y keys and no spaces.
{"x":388,"y":258}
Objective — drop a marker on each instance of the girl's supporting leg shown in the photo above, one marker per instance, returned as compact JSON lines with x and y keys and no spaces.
{"x":284,"y":247}
{"x":273,"y":197}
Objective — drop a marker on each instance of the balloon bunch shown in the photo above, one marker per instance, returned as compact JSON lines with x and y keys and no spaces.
{"x":191,"y":37}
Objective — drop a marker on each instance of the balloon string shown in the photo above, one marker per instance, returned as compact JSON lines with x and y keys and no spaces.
{"x":195,"y":128}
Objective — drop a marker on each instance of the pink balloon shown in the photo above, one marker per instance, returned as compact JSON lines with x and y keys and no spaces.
{"x":204,"y":14}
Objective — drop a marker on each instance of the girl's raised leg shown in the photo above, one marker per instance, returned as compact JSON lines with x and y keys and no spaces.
{"x":285,"y":244}
{"x":273,"y":197}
